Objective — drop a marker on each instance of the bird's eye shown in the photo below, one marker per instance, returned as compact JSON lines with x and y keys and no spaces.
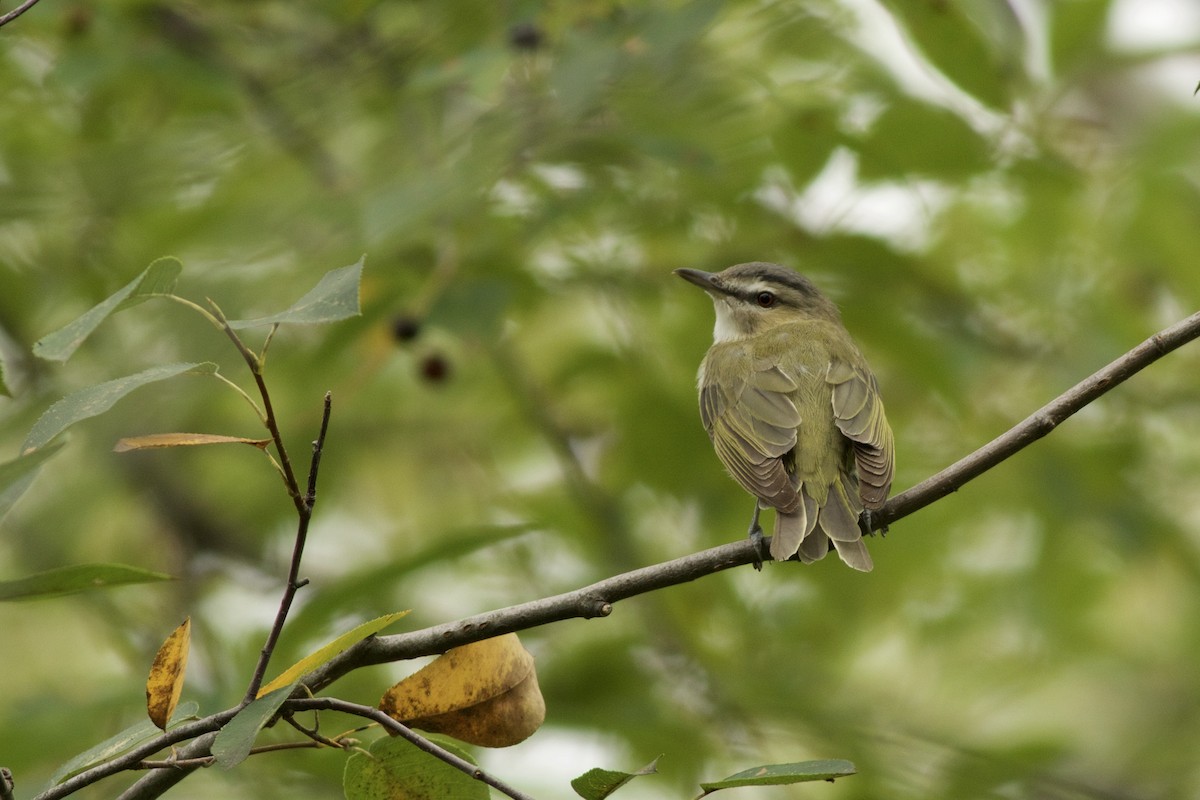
{"x":765,"y":299}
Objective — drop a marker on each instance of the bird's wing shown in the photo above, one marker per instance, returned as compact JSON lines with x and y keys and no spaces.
{"x":752,"y":423}
{"x":858,"y":412}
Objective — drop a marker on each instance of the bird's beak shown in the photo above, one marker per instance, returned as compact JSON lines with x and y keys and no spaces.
{"x":705,"y":280}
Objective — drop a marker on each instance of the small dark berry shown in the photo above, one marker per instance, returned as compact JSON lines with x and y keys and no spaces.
{"x":77,"y":20}
{"x":435,"y":368}
{"x":405,"y":328}
{"x":525,"y":36}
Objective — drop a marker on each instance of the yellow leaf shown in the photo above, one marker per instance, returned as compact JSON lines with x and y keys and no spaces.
{"x":183,"y":440}
{"x":166,"y":675}
{"x":311,"y":662}
{"x":484,"y":693}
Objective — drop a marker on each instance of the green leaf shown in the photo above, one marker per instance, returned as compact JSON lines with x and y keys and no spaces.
{"x":1078,"y":31}
{"x":76,"y":578}
{"x":977,"y":44}
{"x":334,"y":298}
{"x":95,"y":400}
{"x":233,"y":743}
{"x":597,"y":784}
{"x":112,"y":747}
{"x":806,"y":140}
{"x":782,"y":774}
{"x":17,"y":475}
{"x":397,"y":770}
{"x":912,"y":137}
{"x":156,"y":280}
{"x":351,"y":637}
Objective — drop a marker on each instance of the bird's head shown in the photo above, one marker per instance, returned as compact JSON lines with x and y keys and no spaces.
{"x":753,"y":298}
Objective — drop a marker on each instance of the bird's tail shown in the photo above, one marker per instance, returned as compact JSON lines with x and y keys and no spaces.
{"x":808,"y":530}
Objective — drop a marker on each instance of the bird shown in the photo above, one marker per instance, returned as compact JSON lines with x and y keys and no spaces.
{"x":794,"y":412}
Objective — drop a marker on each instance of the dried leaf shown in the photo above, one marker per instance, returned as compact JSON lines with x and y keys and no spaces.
{"x":484,"y":693}
{"x":166,"y":675}
{"x":183,"y":440}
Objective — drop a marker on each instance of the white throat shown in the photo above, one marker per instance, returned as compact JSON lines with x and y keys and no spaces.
{"x":726,"y":329}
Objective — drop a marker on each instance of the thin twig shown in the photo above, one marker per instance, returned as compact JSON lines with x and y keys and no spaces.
{"x":9,"y":17}
{"x":255,"y":364}
{"x":178,"y":763}
{"x":417,"y":740}
{"x":294,"y":584}
{"x":341,"y":742}
{"x":208,"y":761}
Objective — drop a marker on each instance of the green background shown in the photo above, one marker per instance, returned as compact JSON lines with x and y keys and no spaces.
{"x":1001,"y":202}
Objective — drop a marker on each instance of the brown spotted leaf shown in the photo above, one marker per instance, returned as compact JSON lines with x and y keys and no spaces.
{"x":485,"y":693}
{"x":166,"y":675}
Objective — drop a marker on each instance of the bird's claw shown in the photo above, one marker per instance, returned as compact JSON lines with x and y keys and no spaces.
{"x":760,"y":551}
{"x":867,"y":527}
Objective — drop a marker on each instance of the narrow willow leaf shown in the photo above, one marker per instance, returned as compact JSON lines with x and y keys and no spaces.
{"x":119,"y":743}
{"x":165,"y":682}
{"x":311,"y":662}
{"x":395,"y":769}
{"x":780,"y":774}
{"x":597,"y":784}
{"x":17,"y":475}
{"x":333,"y":299}
{"x":235,"y":740}
{"x":156,"y":280}
{"x":74,"y":579}
{"x":183,"y":440}
{"x":95,"y":400}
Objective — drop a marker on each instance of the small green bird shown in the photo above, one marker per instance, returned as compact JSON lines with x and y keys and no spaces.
{"x":793,"y":411}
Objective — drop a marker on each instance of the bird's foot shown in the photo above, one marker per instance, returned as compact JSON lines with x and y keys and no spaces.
{"x":866,"y":525}
{"x":756,"y":538}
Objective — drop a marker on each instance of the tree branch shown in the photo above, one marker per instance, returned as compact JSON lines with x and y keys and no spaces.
{"x":597,"y":599}
{"x":16,"y":12}
{"x":1039,"y":423}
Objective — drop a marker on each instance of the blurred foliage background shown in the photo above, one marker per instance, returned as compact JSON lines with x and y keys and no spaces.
{"x":1002,"y":196}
